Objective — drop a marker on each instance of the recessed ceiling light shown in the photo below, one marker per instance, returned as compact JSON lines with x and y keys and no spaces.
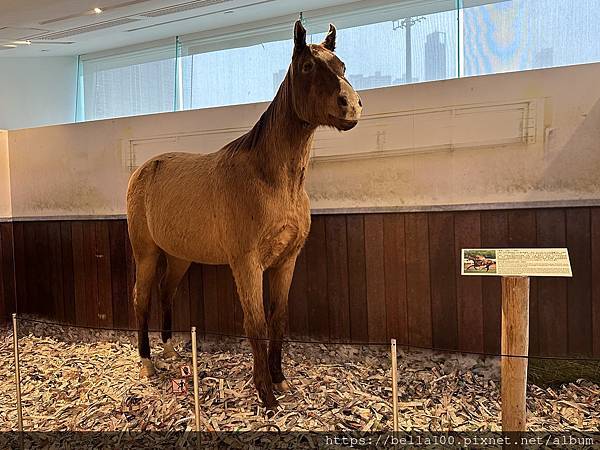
{"x":97,"y":10}
{"x":9,"y":45}
{"x":22,"y":42}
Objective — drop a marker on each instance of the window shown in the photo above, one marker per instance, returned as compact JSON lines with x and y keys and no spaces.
{"x":530,"y":34}
{"x":140,"y":82}
{"x":382,"y":44}
{"x":234,"y":76}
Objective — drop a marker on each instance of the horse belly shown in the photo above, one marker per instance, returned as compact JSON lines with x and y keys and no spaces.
{"x":194,"y":241}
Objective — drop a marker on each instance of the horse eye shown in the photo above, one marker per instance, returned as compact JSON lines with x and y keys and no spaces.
{"x":307,"y":67}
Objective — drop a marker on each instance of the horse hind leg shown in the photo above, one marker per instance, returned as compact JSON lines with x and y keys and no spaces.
{"x":176,"y":269}
{"x":145,"y":274}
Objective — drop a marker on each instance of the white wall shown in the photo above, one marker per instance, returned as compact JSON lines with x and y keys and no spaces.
{"x":37,"y":91}
{"x":517,"y":138}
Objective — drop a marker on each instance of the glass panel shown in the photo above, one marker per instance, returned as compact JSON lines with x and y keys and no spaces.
{"x":381,"y":46}
{"x":234,"y":76}
{"x":127,"y":85}
{"x":529,"y":34}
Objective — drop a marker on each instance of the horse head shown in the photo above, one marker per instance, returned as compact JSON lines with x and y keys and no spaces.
{"x":321,"y":94}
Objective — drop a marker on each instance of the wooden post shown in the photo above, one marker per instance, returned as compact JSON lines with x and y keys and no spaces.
{"x":196,"y":386}
{"x":395,"y":384}
{"x":17,"y":372}
{"x":515,"y":342}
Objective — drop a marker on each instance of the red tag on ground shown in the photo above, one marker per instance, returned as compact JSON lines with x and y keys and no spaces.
{"x":185,"y":371}
{"x":179,"y":386}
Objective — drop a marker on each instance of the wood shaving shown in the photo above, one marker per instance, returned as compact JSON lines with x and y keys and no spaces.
{"x":74,"y":379}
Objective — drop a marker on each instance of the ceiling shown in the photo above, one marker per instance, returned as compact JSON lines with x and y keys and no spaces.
{"x":73,"y":27}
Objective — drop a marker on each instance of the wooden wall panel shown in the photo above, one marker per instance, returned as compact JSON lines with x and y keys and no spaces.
{"x":7,"y":271}
{"x":20,"y":267}
{"x":94,"y":311}
{"x":55,"y":270}
{"x":81,"y":304}
{"x":394,"y":253}
{"x":467,"y":229}
{"x":225,"y":295}
{"x":357,"y":277}
{"x":298,"y":299}
{"x":579,"y":305}
{"x":552,"y":292}
{"x":494,"y":234}
{"x":181,"y":315}
{"x":117,"y":231}
{"x":104,"y":274}
{"x":360,"y":277}
{"x":130,"y":282}
{"x":595,"y":290}
{"x":375,"y":278}
{"x":337,"y":277}
{"x":35,"y":298}
{"x":196,"y":290}
{"x":316,"y":270}
{"x":418,"y":283}
{"x":67,"y":269}
{"x":211,"y":300}
{"x":444,"y":270}
{"x":5,"y":308}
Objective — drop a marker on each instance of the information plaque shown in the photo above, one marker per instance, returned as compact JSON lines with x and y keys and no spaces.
{"x":507,"y":262}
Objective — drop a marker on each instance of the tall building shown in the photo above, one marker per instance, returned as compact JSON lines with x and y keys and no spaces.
{"x":435,"y":57}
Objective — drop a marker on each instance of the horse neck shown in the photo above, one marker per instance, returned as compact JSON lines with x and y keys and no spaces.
{"x":284,"y":141}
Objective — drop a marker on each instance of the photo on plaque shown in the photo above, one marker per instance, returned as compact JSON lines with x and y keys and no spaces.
{"x":479,"y":261}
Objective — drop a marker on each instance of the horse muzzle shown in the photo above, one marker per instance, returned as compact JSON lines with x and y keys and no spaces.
{"x":343,"y":124}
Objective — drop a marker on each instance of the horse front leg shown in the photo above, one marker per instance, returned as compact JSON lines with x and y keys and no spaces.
{"x":248,"y":280}
{"x":280,"y":279}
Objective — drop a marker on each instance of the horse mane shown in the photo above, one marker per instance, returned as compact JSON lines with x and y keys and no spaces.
{"x":265,"y":124}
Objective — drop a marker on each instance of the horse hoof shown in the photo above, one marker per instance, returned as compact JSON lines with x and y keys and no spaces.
{"x":282,"y":387}
{"x":169,"y":351}
{"x":272,"y":405}
{"x":147,"y":370}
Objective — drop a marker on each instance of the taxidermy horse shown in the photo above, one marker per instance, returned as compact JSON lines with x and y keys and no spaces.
{"x":244,"y":205}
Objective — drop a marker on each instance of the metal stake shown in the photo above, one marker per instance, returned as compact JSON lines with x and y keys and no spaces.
{"x":196,"y":386}
{"x":17,"y":372}
{"x":395,"y":384}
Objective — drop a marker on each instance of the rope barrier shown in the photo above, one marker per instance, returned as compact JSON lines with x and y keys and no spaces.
{"x":407,"y":347}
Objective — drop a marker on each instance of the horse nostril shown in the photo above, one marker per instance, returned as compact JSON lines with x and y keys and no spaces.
{"x":342,"y":101}
{"x":359,"y":102}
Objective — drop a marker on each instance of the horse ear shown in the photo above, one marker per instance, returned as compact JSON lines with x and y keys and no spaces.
{"x":329,"y":42}
{"x":299,"y":36}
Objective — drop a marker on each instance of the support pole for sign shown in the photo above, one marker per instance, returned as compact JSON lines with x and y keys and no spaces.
{"x":17,"y":373}
{"x":395,"y":384}
{"x":515,"y":342}
{"x":196,"y":387}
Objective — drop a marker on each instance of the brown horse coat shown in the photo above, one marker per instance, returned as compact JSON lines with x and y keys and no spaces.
{"x":244,"y":205}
